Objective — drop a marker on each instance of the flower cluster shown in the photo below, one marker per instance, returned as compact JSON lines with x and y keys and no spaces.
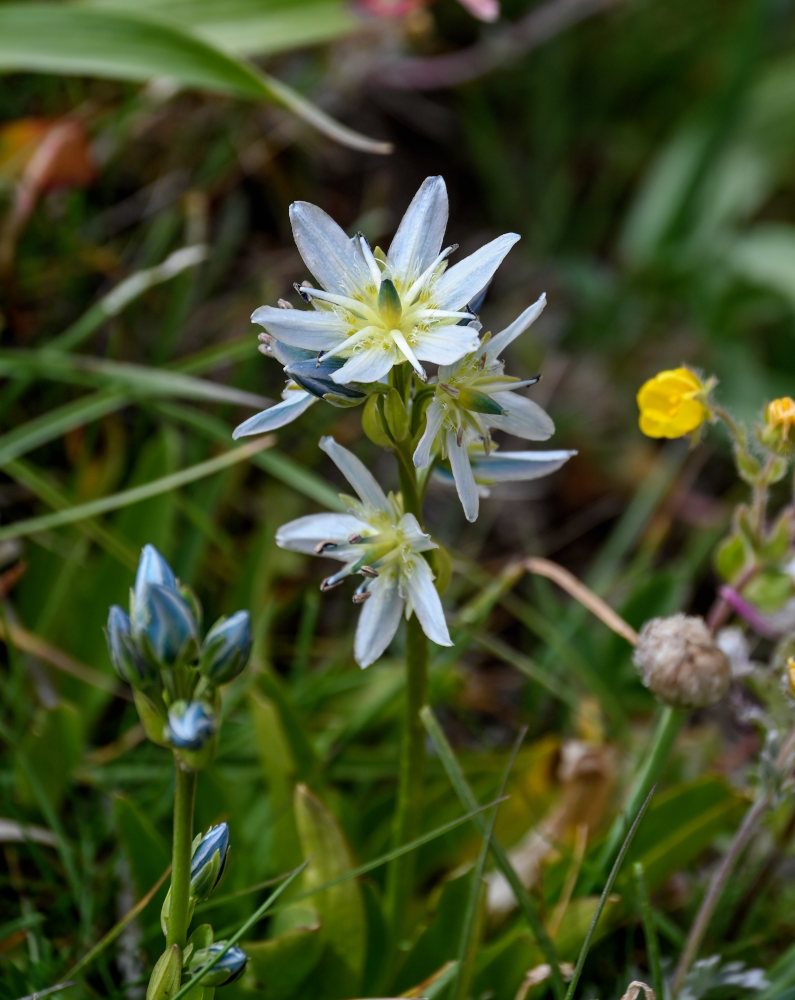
{"x":375,"y":321}
{"x":175,"y":677}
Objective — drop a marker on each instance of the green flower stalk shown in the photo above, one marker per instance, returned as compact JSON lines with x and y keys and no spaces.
{"x":176,"y":680}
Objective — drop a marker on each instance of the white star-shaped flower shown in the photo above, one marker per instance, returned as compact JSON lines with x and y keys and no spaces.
{"x":378,"y":310}
{"x":472,"y":396}
{"x":381,"y":543}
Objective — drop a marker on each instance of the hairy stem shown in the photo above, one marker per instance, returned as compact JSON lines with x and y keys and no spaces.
{"x":724,"y":869}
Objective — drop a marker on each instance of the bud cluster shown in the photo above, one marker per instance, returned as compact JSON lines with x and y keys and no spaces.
{"x":175,"y":677}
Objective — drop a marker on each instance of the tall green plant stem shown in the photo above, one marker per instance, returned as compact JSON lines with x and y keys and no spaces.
{"x":668,"y":727}
{"x":412,"y":770}
{"x":408,"y":811}
{"x":184,"y":798}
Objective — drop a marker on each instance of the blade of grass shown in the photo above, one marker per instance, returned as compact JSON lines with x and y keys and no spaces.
{"x":58,"y":422}
{"x":42,"y":486}
{"x":120,"y":45}
{"x":255,"y":916}
{"x":649,"y":930}
{"x":138,"y":493}
{"x":116,"y":930}
{"x":469,"y":931}
{"x":275,"y":463}
{"x":82,"y":369}
{"x":467,"y":798}
{"x":369,"y":866}
{"x":29,"y":643}
{"x":575,"y":978}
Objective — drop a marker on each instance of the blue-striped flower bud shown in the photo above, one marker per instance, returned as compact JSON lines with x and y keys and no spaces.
{"x":314,"y":375}
{"x":164,"y":625}
{"x":152,"y":568}
{"x":228,"y":968}
{"x":226,"y":648}
{"x":190,"y":725}
{"x":124,"y":654}
{"x":208,"y":860}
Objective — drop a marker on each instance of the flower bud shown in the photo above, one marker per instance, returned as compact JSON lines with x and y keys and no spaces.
{"x":314,"y":375}
{"x":164,"y":625}
{"x":679,"y":661}
{"x":779,"y":422}
{"x":190,"y":725}
{"x":229,"y":967}
{"x":208,"y":860}
{"x":152,"y":568}
{"x":226,"y":648}
{"x":166,"y":975}
{"x":129,"y":663}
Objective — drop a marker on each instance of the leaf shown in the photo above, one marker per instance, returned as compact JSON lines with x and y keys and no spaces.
{"x":120,"y":45}
{"x":680,"y":825}
{"x":765,"y":255}
{"x":250,"y":27}
{"x":341,"y":907}
{"x":278,"y":966}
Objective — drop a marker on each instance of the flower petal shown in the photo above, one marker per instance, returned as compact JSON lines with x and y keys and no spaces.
{"x":523,"y":417}
{"x":500,"y":341}
{"x":331,"y":256}
{"x":313,"y":329}
{"x":304,"y":534}
{"x":518,"y":466}
{"x":418,"y":239}
{"x":378,"y":620}
{"x":366,"y":365}
{"x":464,"y":280}
{"x":357,"y":474}
{"x":425,"y":602}
{"x":276,"y":416}
{"x":419,"y":540}
{"x":443,"y":345}
{"x":433,"y":422}
{"x":464,"y":478}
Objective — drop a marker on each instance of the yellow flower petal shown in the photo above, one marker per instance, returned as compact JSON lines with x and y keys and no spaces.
{"x":669,"y":404}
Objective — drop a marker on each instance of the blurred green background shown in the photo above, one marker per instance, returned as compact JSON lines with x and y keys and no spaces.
{"x":643,"y":149}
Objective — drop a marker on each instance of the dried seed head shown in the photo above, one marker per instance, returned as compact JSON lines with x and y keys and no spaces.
{"x":679,"y":661}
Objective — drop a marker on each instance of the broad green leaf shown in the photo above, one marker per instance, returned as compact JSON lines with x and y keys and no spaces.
{"x":341,"y":907}
{"x":250,"y":27}
{"x":279,"y":768}
{"x":438,"y":941}
{"x":122,"y":45}
{"x":278,"y":966}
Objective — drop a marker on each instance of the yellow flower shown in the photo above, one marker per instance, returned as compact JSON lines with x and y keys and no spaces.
{"x":780,"y":415}
{"x":670,"y":404}
{"x":791,"y":673}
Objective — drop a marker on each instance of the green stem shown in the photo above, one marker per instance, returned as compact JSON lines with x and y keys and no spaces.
{"x":412,"y":768}
{"x":408,"y":811}
{"x":184,"y":797}
{"x":665,"y":735}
